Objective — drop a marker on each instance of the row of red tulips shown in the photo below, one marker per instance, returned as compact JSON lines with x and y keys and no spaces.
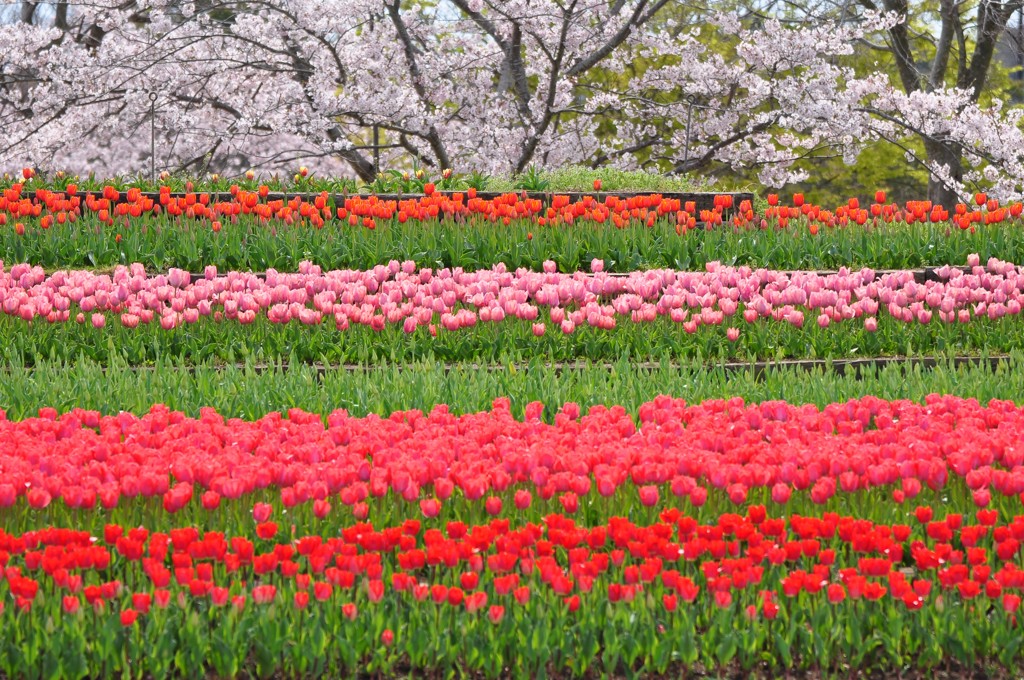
{"x":62,"y":207}
{"x":495,"y":463}
{"x":66,"y":206}
{"x":747,"y":584}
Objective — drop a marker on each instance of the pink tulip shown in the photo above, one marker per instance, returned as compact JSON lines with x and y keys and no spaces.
{"x":648,"y":496}
{"x":430,"y":507}
{"x":781,"y":493}
{"x":261,"y":512}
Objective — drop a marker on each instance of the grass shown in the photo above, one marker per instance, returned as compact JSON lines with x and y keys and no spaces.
{"x":248,"y":391}
{"x":159,"y":243}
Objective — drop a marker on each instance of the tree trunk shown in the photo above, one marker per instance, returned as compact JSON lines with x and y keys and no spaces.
{"x":940,"y":152}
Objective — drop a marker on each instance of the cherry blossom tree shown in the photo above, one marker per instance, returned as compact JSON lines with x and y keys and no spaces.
{"x":494,"y":85}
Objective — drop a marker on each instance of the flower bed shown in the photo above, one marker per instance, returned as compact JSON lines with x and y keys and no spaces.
{"x":493,"y":460}
{"x":55,"y":230}
{"x":718,"y":535}
{"x":738,"y":590}
{"x":455,"y":314}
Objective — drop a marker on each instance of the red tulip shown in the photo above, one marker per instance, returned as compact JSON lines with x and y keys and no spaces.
{"x":71,"y":604}
{"x":836,"y":593}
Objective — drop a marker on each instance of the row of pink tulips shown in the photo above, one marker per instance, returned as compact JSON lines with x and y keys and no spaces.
{"x":400,"y":293}
{"x":84,"y":457}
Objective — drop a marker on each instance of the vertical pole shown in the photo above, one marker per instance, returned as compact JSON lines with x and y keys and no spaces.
{"x":152,"y":136}
{"x":686,"y":149}
{"x":376,"y":148}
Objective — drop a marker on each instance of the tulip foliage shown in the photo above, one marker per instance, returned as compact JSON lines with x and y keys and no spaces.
{"x":491,"y":85}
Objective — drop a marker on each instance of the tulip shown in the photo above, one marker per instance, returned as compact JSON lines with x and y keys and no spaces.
{"x":210,"y":500}
{"x":430,"y":507}
{"x":781,"y":493}
{"x":698,"y":496}
{"x":648,"y":496}
{"x":261,"y":512}
{"x":321,"y":508}
{"x":493,"y":506}
{"x":71,"y":604}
